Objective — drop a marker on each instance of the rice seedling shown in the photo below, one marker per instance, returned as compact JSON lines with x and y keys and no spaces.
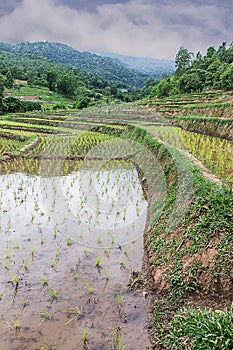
{"x":117,"y":338}
{"x":89,"y":288}
{"x":74,"y":312}
{"x":44,"y":280}
{"x":46,"y":346}
{"x":8,"y":252}
{"x":105,"y":273}
{"x":42,"y":239}
{"x":45,"y":316}
{"x":55,"y":233}
{"x":6,"y":264}
{"x":53,"y":293}
{"x":54,"y":262}
{"x":26,"y":264}
{"x":99,"y":239}
{"x":23,"y":302}
{"x":119,"y":298}
{"x":15,"y":280}
{"x":123,"y":262}
{"x":85,"y":340}
{"x":69,"y":241}
{"x":57,"y":253}
{"x":86,"y":251}
{"x":16,"y":324}
{"x":98,"y":261}
{"x":33,"y":251}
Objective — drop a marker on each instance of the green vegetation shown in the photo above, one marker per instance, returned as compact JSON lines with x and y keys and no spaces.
{"x":212,"y":71}
{"x":200,"y":329}
{"x":74,"y":312}
{"x":102,"y":67}
{"x":214,"y":153}
{"x":95,"y":154}
{"x":81,"y":78}
{"x":8,"y":145}
{"x":13,"y":105}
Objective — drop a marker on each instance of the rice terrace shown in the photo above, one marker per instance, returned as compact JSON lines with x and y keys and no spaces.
{"x":116,"y":212}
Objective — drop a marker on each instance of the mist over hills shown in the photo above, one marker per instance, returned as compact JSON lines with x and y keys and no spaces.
{"x":155,"y":67}
{"x":123,"y":71}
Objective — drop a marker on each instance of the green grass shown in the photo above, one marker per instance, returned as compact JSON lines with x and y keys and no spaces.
{"x":40,"y":92}
{"x":197,"y":329}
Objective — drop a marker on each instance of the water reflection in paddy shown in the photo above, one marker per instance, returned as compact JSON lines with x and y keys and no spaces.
{"x":71,"y":242}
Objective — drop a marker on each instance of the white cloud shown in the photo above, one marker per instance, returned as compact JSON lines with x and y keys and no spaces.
{"x":134,"y":27}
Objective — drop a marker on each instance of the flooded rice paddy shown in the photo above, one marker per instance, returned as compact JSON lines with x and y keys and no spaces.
{"x":71,"y":255}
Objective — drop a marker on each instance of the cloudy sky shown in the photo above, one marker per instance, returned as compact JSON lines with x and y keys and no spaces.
{"x":154,"y":28}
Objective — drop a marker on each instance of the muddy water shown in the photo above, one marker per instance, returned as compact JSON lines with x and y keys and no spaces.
{"x":214,"y":153}
{"x":69,"y":246}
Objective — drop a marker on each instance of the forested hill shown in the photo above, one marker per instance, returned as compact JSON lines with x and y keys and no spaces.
{"x":155,"y":67}
{"x":110,"y":69}
{"x":214,"y":70}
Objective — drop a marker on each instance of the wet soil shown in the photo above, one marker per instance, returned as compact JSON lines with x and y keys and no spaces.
{"x":67,"y":259}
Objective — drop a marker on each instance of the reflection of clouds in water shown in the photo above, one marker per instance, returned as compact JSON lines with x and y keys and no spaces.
{"x":70,"y":270}
{"x":97,"y":206}
{"x":22,"y":211}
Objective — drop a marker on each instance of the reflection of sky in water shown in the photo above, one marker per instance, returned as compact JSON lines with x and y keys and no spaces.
{"x":95,"y":208}
{"x":105,"y":207}
{"x":31,"y":208}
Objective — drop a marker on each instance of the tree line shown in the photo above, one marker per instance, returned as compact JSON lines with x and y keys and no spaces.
{"x":82,"y":87}
{"x":214,"y":70}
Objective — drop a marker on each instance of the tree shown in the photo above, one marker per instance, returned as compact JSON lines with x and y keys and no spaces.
{"x":163,"y":87}
{"x":183,"y":59}
{"x":218,"y":75}
{"x":1,"y":85}
{"x":67,"y":85}
{"x":30,"y":77}
{"x":222,"y":52}
{"x":9,"y":81}
{"x":210,"y":52}
{"x":190,"y":82}
{"x":226,"y":79}
{"x":51,"y":78}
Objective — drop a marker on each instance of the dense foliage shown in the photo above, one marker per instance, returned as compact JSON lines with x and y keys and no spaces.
{"x":195,"y":74}
{"x":13,"y":105}
{"x":102,"y":67}
{"x":83,"y":87}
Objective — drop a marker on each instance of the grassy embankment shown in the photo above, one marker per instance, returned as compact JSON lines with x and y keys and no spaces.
{"x":191,"y":258}
{"x":209,"y":113}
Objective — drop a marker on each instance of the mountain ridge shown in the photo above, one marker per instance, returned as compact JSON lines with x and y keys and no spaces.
{"x":113,"y":69}
{"x":155,"y":67}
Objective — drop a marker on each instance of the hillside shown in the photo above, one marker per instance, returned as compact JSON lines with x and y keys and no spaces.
{"x":154,"y":67}
{"x":104,"y":67}
{"x":214,"y":71}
